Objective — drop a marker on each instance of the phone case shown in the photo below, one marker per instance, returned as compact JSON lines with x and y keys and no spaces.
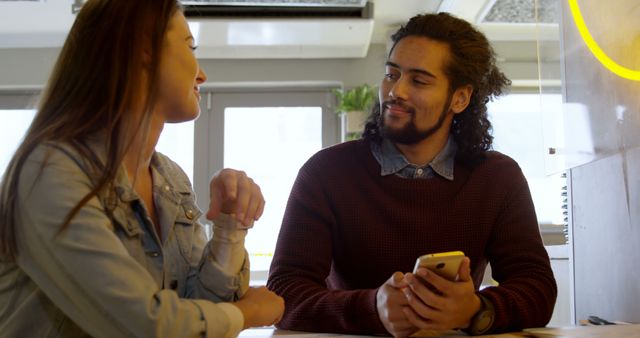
{"x":445,"y":264}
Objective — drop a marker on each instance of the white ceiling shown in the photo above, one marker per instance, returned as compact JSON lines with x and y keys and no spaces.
{"x":390,"y":14}
{"x":28,"y":24}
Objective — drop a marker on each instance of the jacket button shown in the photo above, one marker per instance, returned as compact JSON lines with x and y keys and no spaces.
{"x":173,"y":285}
{"x":189,"y":214}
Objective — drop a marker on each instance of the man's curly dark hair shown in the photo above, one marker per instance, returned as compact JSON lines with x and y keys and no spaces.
{"x":472,"y":62}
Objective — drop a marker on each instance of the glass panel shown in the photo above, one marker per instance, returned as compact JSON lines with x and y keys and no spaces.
{"x":270,"y":144}
{"x":601,"y":81}
{"x":549,"y":67}
{"x":517,"y":132}
{"x":176,"y":141}
{"x":14,"y":124}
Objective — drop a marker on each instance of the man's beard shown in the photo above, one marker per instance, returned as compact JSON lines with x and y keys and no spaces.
{"x":409,"y":133}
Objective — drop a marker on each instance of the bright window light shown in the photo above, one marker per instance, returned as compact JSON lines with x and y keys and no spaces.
{"x":14,"y":124}
{"x":270,"y":144}
{"x":176,"y":141}
{"x":517,"y":131}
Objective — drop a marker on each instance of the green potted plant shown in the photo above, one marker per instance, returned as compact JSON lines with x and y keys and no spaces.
{"x":355,"y":103}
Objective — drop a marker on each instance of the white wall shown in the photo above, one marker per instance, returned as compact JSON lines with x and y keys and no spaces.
{"x":31,"y":67}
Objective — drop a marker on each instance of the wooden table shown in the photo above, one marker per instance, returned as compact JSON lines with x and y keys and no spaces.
{"x":596,"y":331}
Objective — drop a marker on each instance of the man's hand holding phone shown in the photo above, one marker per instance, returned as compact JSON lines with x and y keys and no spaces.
{"x":441,"y":297}
{"x":445,"y":264}
{"x":390,"y":302}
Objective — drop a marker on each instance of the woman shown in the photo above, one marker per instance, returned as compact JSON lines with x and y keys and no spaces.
{"x":99,"y":233}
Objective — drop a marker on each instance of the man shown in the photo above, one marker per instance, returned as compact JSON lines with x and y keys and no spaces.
{"x":422,"y":180}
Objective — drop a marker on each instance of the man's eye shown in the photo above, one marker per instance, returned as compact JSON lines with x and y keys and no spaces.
{"x":193,"y":47}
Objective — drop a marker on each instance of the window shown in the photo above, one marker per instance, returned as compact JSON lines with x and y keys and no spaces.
{"x":12,"y":130}
{"x":282,"y":139}
{"x":517,"y":131}
{"x":176,"y":141}
{"x":269,"y":134}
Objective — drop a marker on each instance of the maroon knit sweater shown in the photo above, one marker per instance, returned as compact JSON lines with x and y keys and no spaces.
{"x":346,"y":229}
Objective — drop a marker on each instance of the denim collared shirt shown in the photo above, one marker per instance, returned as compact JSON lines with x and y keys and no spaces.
{"x":109,"y":274}
{"x":392,"y":161}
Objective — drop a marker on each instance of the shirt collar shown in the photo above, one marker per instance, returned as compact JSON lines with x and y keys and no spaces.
{"x":392,"y":161}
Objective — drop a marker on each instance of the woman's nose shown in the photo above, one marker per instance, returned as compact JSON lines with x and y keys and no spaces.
{"x":201,"y":77}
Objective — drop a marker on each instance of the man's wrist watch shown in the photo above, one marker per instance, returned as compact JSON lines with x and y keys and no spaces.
{"x":482,"y":321}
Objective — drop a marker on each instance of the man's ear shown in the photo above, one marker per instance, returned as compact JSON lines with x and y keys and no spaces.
{"x":461,"y":98}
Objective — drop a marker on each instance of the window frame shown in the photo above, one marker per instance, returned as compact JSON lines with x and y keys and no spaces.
{"x":209,"y":127}
{"x":19,"y":98}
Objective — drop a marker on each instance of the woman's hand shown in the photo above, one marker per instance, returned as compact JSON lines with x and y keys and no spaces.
{"x":233,"y":192}
{"x":260,"y":307}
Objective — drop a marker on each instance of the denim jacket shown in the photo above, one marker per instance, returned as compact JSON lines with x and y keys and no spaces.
{"x":108,"y":274}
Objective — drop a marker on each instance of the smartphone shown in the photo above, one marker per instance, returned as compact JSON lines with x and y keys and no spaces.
{"x":445,"y":264}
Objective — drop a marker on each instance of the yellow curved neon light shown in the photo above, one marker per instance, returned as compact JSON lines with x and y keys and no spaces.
{"x":606,"y":61}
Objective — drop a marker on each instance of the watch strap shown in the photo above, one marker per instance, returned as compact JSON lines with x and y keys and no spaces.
{"x":482,"y":321}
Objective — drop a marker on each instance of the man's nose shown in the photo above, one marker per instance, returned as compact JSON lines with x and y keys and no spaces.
{"x":399,"y":90}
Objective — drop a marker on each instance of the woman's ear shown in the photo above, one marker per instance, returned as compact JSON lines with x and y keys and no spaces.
{"x":461,"y":98}
{"x":146,"y":57}
{"x":147,"y":50}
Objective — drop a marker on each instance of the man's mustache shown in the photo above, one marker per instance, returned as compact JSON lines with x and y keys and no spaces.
{"x":388,"y":103}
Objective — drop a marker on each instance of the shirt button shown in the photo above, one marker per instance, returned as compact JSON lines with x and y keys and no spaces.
{"x":189,"y":214}
{"x":154,"y":254}
{"x":166,"y":188}
{"x":419,"y":171}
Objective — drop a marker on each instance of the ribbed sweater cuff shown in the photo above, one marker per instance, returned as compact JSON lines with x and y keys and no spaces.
{"x":368,"y":317}
{"x":500,"y":323}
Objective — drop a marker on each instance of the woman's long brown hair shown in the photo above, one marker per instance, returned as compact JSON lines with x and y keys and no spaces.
{"x":108,"y":64}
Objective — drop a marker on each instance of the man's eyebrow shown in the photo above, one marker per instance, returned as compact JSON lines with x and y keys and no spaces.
{"x":412,"y":70}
